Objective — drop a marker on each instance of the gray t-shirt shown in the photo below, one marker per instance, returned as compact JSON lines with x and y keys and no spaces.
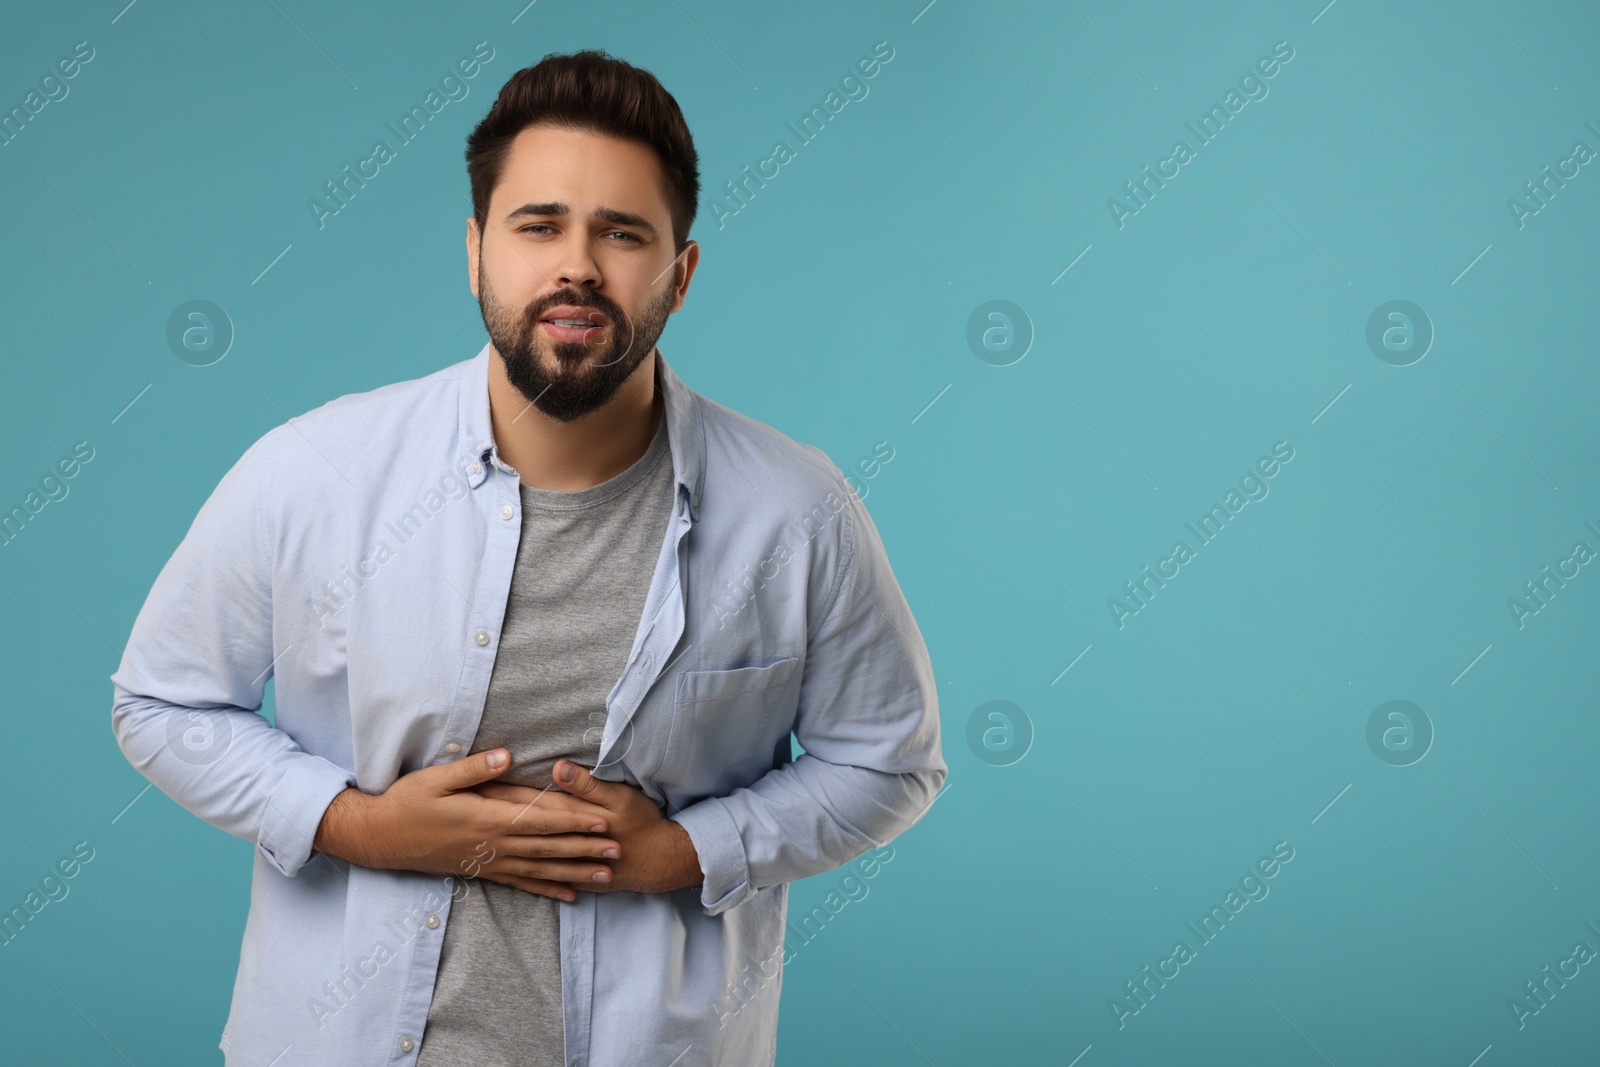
{"x":583,"y":570}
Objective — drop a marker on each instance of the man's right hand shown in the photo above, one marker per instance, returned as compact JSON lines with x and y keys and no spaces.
{"x":432,"y":821}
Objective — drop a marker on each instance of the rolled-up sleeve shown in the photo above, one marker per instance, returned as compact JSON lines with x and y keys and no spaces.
{"x":190,"y":683}
{"x":868,"y":720}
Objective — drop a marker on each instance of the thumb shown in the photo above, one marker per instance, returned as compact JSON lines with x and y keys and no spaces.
{"x":575,"y":778}
{"x":478,"y":767}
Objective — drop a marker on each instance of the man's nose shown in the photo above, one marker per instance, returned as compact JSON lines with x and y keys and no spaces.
{"x":576,"y":266}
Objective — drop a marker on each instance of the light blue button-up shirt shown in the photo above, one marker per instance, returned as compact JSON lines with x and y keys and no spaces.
{"x":361,"y":554}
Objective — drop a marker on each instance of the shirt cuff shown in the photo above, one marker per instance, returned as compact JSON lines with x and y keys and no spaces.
{"x":721,"y":851}
{"x":295,"y":810}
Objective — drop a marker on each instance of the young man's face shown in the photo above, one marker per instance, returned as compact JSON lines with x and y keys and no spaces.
{"x":578,"y":229}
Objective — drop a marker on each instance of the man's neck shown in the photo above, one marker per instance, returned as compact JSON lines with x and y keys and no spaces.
{"x":567,"y":456}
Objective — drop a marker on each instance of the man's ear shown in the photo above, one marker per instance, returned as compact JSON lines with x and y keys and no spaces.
{"x":683,"y":270}
{"x":474,"y":251}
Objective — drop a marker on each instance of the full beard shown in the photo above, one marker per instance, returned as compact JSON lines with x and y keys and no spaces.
{"x":569,"y":379}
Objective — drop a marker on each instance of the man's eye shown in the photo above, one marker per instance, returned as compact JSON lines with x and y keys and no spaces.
{"x":542,"y":226}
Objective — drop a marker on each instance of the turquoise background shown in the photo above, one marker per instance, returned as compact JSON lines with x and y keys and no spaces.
{"x":1230,"y":313}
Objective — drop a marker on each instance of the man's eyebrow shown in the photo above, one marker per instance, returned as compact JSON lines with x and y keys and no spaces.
{"x":556,"y":209}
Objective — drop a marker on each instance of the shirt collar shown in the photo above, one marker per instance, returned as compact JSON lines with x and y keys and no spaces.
{"x":685,"y":436}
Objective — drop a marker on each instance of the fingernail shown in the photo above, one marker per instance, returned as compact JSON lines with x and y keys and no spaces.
{"x":598,"y":828}
{"x":564,"y":772}
{"x":610,"y":853}
{"x":600,"y":876}
{"x":497,"y":759}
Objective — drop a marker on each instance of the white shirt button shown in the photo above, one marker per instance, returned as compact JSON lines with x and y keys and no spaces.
{"x":506,"y":511}
{"x":476,"y":468}
{"x":452,"y":747}
{"x":405,"y":1044}
{"x":482,"y":637}
{"x":433,"y":922}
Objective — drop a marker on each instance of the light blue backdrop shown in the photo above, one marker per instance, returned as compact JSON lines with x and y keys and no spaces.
{"x":1149,"y":356}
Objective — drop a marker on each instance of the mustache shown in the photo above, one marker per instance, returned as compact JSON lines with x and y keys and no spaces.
{"x":568,"y":298}
{"x":616,"y":318}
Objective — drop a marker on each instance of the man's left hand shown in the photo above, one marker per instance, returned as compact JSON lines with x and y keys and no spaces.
{"x":657,"y":854}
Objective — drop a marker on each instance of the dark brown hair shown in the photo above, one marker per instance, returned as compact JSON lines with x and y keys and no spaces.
{"x":591,"y":91}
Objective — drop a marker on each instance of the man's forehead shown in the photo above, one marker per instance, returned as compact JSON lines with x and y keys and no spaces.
{"x":582,"y":170}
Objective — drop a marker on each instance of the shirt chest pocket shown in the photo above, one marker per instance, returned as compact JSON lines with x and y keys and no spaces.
{"x":727,"y":726}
